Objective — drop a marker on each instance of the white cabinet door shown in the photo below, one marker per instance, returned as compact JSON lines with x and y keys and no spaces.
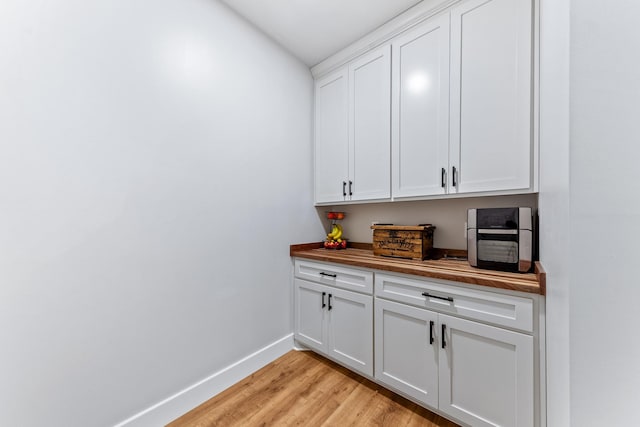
{"x":331,"y":136}
{"x":310,"y":306}
{"x":335,"y":322}
{"x":350,"y":329}
{"x":370,"y":126}
{"x":491,"y":85}
{"x":406,"y":349}
{"x":420,"y":141}
{"x":486,"y":374}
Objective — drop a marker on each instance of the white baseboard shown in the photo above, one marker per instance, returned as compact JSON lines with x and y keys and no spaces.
{"x":182,"y":402}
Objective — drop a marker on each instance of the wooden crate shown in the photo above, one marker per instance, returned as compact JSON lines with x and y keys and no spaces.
{"x":403,"y":241}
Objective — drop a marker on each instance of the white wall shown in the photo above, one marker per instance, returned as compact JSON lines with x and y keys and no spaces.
{"x":448,"y":215}
{"x":154,"y":168}
{"x":605,"y":212}
{"x":554,"y":202}
{"x":590,"y":211}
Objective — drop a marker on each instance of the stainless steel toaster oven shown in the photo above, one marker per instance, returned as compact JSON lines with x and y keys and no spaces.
{"x":500,"y":238}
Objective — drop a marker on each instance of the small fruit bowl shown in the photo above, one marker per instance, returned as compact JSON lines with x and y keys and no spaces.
{"x":335,"y":215}
{"x":335,"y":244}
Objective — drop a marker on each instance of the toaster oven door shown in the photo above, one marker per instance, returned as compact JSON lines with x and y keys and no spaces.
{"x":498,"y":249}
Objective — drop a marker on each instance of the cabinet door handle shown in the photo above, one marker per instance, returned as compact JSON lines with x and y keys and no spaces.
{"x":454,"y":172}
{"x":322,"y":273}
{"x":324,"y":294}
{"x":443,"y":176}
{"x":330,"y":307}
{"x":431,"y":331}
{"x":428,"y":295}
{"x":344,"y":188}
{"x":350,"y":185}
{"x":444,"y":331}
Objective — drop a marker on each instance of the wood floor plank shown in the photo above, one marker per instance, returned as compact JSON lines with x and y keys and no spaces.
{"x":305,"y":389}
{"x":241,"y":401}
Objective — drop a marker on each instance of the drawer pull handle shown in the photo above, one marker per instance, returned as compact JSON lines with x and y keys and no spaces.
{"x":428,"y":295}
{"x":344,"y":188}
{"x":350,"y":185}
{"x":443,"y":175}
{"x":322,"y":273}
{"x":330,"y":307}
{"x":444,"y":330}
{"x":324,"y":294}
{"x":431,"y":332}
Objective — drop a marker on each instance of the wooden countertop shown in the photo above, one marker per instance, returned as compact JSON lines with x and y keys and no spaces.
{"x":360,"y":255}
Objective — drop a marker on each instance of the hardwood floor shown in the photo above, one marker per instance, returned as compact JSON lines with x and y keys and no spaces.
{"x":304,"y":389}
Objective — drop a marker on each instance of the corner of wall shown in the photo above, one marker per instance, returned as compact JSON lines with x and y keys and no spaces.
{"x":182,"y":402}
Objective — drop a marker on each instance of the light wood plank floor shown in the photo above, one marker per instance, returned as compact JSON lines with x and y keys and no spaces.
{"x":305,"y":389}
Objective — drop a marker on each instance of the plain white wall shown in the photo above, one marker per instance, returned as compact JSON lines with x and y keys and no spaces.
{"x":589,"y":209}
{"x":554,"y":202}
{"x":448,"y":215}
{"x":605,"y":212}
{"x":155,"y":163}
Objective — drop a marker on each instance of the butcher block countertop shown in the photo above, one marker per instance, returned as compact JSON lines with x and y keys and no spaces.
{"x":361,"y":255}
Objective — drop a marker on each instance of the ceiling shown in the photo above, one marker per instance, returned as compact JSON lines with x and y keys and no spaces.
{"x":315,"y":29}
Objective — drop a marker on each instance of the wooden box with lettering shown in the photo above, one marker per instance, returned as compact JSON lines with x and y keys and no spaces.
{"x":403,"y":241}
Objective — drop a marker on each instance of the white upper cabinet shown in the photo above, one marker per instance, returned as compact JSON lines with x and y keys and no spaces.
{"x":370,"y":126}
{"x":353,"y":126}
{"x":448,"y":108}
{"x":491,"y":86}
{"x":420,"y":139}
{"x":332,"y":136}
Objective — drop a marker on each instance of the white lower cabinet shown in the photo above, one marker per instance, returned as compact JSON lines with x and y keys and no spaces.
{"x":407,"y":350}
{"x":466,"y":353}
{"x":310,"y":304}
{"x":485,"y":374}
{"x":335,"y":322}
{"x":479,"y":374}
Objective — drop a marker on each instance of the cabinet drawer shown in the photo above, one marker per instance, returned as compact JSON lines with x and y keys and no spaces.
{"x":330,"y":274}
{"x":498,"y":309}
